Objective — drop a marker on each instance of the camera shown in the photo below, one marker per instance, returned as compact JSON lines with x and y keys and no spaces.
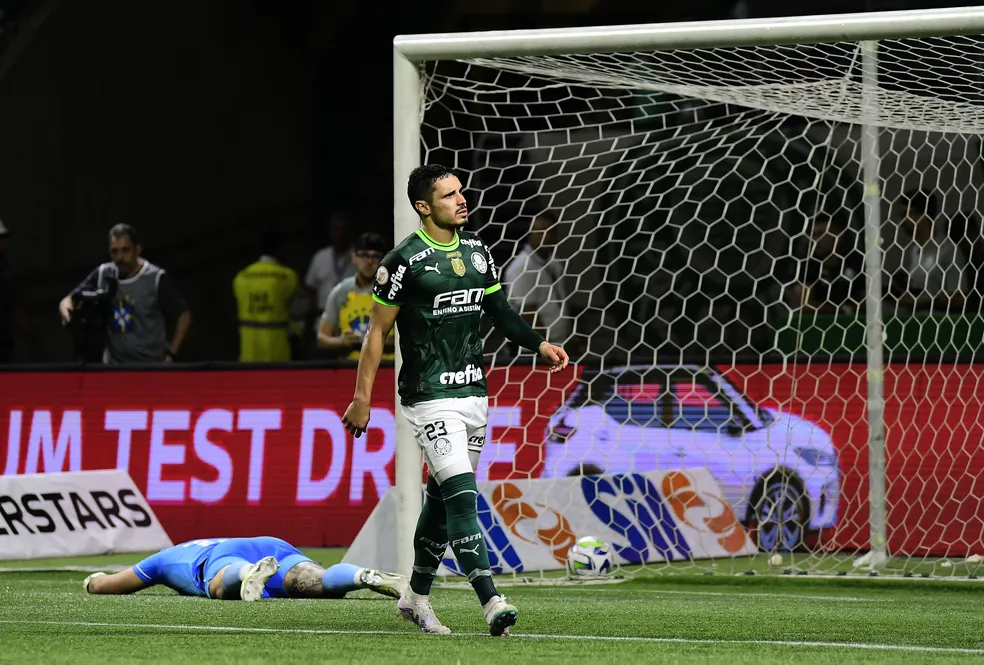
{"x":89,"y":321}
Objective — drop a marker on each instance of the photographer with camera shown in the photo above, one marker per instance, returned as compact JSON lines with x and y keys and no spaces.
{"x":121,"y":311}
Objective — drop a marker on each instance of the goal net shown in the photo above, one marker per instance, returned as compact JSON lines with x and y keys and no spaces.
{"x":701,"y":251}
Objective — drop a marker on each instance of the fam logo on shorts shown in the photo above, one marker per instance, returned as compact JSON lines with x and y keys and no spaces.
{"x":442,"y":446}
{"x":481,"y":265}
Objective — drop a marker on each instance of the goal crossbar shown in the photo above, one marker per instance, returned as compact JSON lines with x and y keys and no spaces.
{"x":692,"y":34}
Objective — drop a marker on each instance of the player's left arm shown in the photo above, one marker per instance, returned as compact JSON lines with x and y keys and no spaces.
{"x":123,"y":582}
{"x":514,"y":326}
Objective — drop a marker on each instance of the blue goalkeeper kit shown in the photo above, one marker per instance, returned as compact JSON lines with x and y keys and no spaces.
{"x":187,"y":568}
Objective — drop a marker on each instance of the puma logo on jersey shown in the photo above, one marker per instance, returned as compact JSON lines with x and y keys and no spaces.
{"x":434,"y":268}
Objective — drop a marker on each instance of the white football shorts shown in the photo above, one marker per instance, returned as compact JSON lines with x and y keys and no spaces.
{"x":450,"y":432}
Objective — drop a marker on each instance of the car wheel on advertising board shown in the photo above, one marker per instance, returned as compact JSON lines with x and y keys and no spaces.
{"x":779,"y":515}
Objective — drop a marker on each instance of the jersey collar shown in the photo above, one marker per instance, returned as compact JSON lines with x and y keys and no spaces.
{"x":453,"y":245}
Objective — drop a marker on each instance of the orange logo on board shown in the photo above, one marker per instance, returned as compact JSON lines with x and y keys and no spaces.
{"x":507,"y":500}
{"x":678,"y":488}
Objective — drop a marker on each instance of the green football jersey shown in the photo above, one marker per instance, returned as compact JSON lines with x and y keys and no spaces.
{"x":439,"y":289}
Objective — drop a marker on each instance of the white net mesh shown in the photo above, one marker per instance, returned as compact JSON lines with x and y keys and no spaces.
{"x":708,"y":271}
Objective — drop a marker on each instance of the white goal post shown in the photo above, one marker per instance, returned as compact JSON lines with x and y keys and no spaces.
{"x":621,"y":58}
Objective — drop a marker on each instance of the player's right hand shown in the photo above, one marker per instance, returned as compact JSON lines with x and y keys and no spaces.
{"x":356,"y":418}
{"x":554,"y":355}
{"x":65,"y":308}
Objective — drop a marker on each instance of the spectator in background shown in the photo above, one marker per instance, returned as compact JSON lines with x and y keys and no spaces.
{"x":965,"y":232}
{"x":831,"y":278}
{"x":269,"y":307}
{"x":142,"y":303}
{"x":534,"y":281}
{"x":13,"y":314}
{"x":347,"y":308}
{"x":331,"y":265}
{"x":933,"y":269}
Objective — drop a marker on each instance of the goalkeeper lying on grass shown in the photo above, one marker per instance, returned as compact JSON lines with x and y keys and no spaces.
{"x":243,"y":569}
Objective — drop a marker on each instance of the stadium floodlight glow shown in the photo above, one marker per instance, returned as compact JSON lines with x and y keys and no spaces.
{"x":687,"y":160}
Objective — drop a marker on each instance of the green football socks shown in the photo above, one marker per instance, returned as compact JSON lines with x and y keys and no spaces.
{"x":460,"y":495}
{"x":430,"y":540}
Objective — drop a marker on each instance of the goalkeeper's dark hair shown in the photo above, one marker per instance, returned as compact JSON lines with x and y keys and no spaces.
{"x":422,"y":179}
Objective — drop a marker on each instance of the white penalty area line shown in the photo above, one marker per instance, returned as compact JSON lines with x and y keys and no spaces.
{"x":65,"y":569}
{"x":760,"y":594}
{"x":863,"y":646}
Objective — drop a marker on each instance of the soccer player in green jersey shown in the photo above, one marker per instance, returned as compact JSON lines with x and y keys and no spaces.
{"x":435,"y":285}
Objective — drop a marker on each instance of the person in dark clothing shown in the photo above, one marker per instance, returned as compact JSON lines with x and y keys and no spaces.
{"x":143,"y":300}
{"x":13,"y":314}
{"x":831,"y":278}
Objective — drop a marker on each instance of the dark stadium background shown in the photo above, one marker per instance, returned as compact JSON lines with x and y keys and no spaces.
{"x":203,"y":123}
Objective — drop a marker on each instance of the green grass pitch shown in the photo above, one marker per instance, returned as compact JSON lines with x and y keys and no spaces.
{"x":46,"y":618}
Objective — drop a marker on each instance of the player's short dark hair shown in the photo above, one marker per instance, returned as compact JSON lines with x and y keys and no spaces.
{"x":921,"y":201}
{"x":422,"y":179}
{"x":372,"y":242}
{"x":120,"y":230}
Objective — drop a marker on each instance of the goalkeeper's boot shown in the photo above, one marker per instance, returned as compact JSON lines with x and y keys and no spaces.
{"x":388,"y":584}
{"x":499,"y":615}
{"x":418,"y":610}
{"x":255,"y":578}
{"x":85,"y":582}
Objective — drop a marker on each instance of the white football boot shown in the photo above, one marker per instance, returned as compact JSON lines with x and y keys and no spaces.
{"x":85,"y":582}
{"x":499,"y":615}
{"x":255,"y":578}
{"x":388,"y":584}
{"x":418,"y":610}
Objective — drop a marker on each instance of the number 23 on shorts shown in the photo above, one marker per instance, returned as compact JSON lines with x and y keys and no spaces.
{"x":434,"y":430}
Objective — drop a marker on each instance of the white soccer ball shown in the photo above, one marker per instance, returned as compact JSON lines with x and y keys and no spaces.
{"x":589,"y":557}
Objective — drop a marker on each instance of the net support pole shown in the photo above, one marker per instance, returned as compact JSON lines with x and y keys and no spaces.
{"x":406,"y":157}
{"x":870,"y":163}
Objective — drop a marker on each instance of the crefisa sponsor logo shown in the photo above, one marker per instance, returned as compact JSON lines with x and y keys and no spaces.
{"x":471,"y":374}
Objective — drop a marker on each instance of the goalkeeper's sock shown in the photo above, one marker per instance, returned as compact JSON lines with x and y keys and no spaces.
{"x":341,"y":578}
{"x":430,"y":540}
{"x":232,"y":579}
{"x":460,"y":494}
